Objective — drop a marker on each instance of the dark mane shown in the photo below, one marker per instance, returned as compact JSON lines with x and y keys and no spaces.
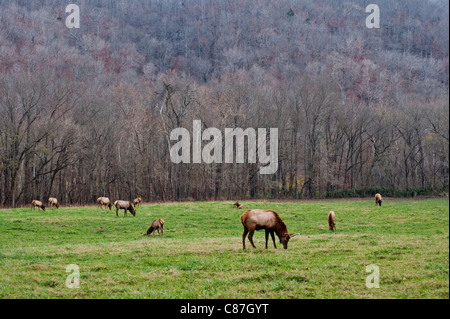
{"x":280,"y":222}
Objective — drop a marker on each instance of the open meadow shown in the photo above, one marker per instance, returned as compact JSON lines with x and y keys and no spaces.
{"x":201,"y":256}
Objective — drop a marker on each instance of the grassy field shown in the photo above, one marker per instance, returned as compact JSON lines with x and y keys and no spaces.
{"x":201,"y":256}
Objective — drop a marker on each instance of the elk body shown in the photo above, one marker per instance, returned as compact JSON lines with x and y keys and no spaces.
{"x":256,"y":219}
{"x":378,"y":199}
{"x":53,"y":202}
{"x":37,"y":203}
{"x":125,"y":205}
{"x":157,"y":224}
{"x":104,"y":201}
{"x":239,"y":206}
{"x":331,"y":218}
{"x":137,"y":201}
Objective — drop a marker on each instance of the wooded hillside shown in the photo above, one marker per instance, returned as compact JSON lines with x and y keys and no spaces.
{"x":88,"y":112}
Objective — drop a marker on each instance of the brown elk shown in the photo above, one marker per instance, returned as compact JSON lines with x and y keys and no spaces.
{"x":125,"y":205}
{"x":378,"y":199}
{"x":137,"y":201}
{"x":104,"y":201}
{"x":239,"y":206}
{"x":256,"y":219}
{"x":53,"y":202}
{"x":37,"y":203}
{"x":331,"y":218}
{"x":157,"y":224}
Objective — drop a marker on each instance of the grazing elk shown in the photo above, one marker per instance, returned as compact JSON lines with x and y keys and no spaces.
{"x":157,"y":224}
{"x":331,"y":218}
{"x":239,"y":206}
{"x":53,"y":202}
{"x":38,"y":204}
{"x":256,"y":219}
{"x":137,"y":201}
{"x":378,"y":199}
{"x":104,"y":201}
{"x":125,"y":205}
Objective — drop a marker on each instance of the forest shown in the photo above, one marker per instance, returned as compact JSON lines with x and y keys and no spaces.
{"x":87,"y":112}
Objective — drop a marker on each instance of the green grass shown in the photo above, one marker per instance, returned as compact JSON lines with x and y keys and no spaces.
{"x":201,"y":256}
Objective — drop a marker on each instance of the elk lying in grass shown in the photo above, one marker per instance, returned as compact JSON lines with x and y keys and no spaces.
{"x":53,"y":202}
{"x":331,"y":218}
{"x":125,"y":205}
{"x":37,"y":203}
{"x":378,"y":199}
{"x":137,"y":201}
{"x":256,"y":219}
{"x":157,"y":224}
{"x":104,"y":201}
{"x":239,"y":206}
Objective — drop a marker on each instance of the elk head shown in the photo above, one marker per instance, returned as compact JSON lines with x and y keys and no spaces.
{"x":132,"y":210}
{"x":284,"y":239}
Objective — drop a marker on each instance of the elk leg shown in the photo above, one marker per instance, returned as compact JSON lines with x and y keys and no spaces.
{"x":117,"y":211}
{"x":243,"y":237}
{"x":250,"y":237}
{"x":273,"y":239}
{"x":162,"y":231}
{"x":267,"y":236}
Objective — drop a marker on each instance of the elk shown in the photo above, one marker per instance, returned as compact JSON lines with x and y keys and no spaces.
{"x":137,"y":201}
{"x":125,"y":205}
{"x":256,"y":219}
{"x":331,"y":218}
{"x":104,"y":201}
{"x":378,"y":199}
{"x":157,"y":224}
{"x":239,"y":206}
{"x":37,"y":203}
{"x":53,"y":202}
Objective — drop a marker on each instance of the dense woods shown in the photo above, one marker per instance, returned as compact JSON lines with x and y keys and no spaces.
{"x":88,"y":112}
